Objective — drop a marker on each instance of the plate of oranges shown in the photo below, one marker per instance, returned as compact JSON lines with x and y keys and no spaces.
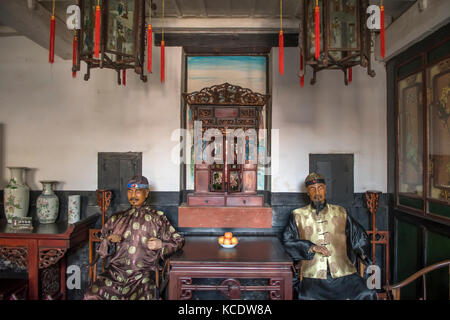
{"x":227,"y":240}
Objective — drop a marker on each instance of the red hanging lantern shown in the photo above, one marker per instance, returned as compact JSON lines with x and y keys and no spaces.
{"x":98,"y":21}
{"x":74,"y":56}
{"x":302,"y":77}
{"x":163,"y":60}
{"x":382,"y":32}
{"x":51,"y":51}
{"x":149,"y":48}
{"x":350,"y":74}
{"x":281,"y":53}
{"x":317,"y":29}
{"x":124,"y":77}
{"x":281,"y":42}
{"x":163,"y":46}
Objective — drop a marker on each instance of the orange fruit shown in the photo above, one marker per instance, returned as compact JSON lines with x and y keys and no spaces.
{"x":234,"y":240}
{"x":228,"y":235}
{"x":227,"y":242}
{"x":220,"y":239}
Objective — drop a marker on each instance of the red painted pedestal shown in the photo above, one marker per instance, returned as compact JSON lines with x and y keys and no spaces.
{"x":224,"y":217}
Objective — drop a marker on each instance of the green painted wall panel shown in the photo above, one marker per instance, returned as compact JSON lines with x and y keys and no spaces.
{"x":408,"y":246}
{"x":438,"y":249}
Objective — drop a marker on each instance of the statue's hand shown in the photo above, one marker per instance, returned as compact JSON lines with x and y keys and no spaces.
{"x":322,"y":250}
{"x":154,"y":244}
{"x":114,"y":238}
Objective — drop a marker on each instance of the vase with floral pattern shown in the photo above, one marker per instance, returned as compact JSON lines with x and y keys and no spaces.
{"x":16,"y":195}
{"x":47,"y":204}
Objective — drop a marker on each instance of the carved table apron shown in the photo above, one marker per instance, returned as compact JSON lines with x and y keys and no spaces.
{"x":41,"y":250}
{"x":253,"y":258}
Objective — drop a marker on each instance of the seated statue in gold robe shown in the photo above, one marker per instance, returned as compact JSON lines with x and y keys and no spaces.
{"x":326,"y":241}
{"x":141,"y":236}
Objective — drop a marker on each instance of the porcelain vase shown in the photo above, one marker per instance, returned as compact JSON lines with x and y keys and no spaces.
{"x":16,"y":195}
{"x":47,"y":204}
{"x":73,"y":209}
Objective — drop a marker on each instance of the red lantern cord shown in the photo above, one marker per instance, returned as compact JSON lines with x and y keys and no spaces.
{"x":51,"y":53}
{"x":281,"y":53}
{"x":124,"y":77}
{"x":350,"y":74}
{"x":317,"y":25}
{"x":382,"y":33}
{"x":302,"y":77}
{"x":149,"y":48}
{"x":74,"y":56}
{"x":51,"y":49}
{"x":281,"y":42}
{"x":163,"y":46}
{"x":97,"y":30}
{"x":163,"y":60}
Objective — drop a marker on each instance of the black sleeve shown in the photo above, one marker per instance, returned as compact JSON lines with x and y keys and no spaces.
{"x":358,"y":240}
{"x":296,"y":248}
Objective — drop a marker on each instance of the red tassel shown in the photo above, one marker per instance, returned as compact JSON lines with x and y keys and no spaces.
{"x":51,"y":52}
{"x":302,"y":78}
{"x":124,"y":77}
{"x":74,"y":56}
{"x":350,"y":74}
{"x":317,"y":22}
{"x":149,"y":48}
{"x":382,"y":34}
{"x":281,"y":52}
{"x":163,"y":60}
{"x":98,"y":21}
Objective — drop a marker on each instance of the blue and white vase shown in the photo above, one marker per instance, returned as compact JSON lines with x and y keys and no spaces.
{"x":47,"y":204}
{"x":16,"y":195}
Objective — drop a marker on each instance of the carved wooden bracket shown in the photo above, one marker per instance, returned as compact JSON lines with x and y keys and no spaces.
{"x":50,"y":278}
{"x":275,"y":293}
{"x":372,"y":200}
{"x":17,"y":255}
{"x":233,"y":290}
{"x":226,"y":94}
{"x":50,"y":256}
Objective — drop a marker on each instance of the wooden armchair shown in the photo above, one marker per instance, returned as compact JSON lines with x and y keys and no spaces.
{"x":395,"y":288}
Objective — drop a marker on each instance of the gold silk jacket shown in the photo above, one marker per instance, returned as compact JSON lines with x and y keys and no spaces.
{"x":328,"y":229}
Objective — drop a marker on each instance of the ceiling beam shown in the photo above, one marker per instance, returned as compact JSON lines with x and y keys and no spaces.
{"x":225,"y":25}
{"x":214,"y":40}
{"x":35,"y":24}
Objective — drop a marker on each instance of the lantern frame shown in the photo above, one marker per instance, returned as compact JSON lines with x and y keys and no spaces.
{"x":111,"y":59}
{"x":350,"y":57}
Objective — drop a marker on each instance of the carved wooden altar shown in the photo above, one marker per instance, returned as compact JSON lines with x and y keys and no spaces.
{"x":230,"y":117}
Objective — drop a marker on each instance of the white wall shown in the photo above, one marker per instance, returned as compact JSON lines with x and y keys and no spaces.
{"x":329,"y":118}
{"x":57,"y":125}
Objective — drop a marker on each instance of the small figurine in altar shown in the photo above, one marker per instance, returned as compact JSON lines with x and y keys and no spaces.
{"x":141,"y":236}
{"x":327,"y":240}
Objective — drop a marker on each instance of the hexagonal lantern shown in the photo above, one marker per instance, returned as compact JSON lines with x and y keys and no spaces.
{"x":345,"y":40}
{"x":122,"y":36}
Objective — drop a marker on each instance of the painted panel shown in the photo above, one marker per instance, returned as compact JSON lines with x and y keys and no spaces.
{"x":206,"y":71}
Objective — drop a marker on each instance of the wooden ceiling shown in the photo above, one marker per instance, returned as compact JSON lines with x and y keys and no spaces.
{"x":31,"y":18}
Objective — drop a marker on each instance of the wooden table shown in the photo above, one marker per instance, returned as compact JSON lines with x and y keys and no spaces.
{"x":42,"y":252}
{"x":253,"y":258}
